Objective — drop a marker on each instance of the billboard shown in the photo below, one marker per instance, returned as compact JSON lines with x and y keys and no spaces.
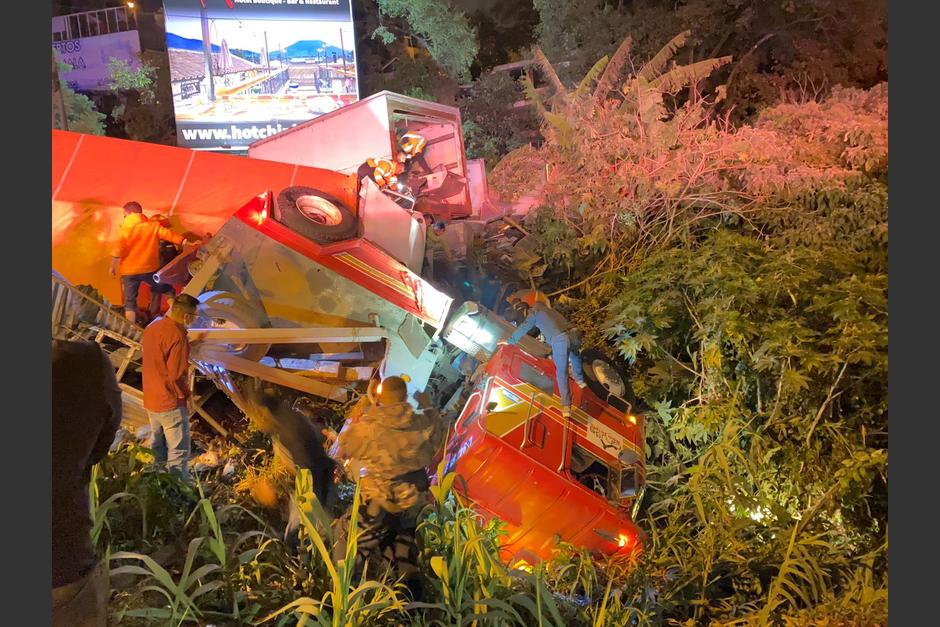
{"x":245,"y":69}
{"x":89,"y":58}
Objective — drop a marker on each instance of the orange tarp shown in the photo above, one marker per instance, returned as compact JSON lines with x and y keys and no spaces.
{"x":92,"y":178}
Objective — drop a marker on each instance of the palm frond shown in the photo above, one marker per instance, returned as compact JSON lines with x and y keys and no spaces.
{"x":613,"y":70}
{"x":685,"y":75}
{"x":564,"y":132}
{"x":532,"y":96}
{"x":592,"y":75}
{"x":801,"y":580}
{"x":550,"y":73}
{"x":655,"y":65}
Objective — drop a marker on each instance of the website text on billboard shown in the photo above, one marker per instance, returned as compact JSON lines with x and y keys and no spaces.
{"x":240,"y":68}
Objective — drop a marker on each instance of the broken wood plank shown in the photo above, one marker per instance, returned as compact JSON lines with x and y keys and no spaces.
{"x":207,"y":270}
{"x":315,"y":335}
{"x":274,"y":375}
{"x":128,"y":358}
{"x":132,"y":404}
{"x":212,"y":421}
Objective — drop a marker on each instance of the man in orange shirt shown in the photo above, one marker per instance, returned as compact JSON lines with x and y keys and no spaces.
{"x":136,"y":257}
{"x":165,"y":349}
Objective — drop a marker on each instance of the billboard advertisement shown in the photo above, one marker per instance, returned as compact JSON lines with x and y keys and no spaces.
{"x":89,"y":58}
{"x":242,"y":70}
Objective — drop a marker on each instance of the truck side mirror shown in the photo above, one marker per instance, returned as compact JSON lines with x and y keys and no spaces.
{"x":628,"y":457}
{"x":628,"y":486}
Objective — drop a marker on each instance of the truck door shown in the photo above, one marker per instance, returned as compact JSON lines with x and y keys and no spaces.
{"x":543,"y":433}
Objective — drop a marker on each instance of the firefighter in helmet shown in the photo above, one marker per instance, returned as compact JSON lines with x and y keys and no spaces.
{"x":383,"y":171}
{"x":411,"y":145}
{"x":386,"y":172}
{"x":560,"y":334}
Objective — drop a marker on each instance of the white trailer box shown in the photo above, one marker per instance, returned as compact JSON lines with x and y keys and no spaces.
{"x":343,"y":139}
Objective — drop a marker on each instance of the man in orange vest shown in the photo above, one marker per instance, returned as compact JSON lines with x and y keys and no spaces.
{"x":136,"y":256}
{"x":412,"y":144}
{"x":386,"y":172}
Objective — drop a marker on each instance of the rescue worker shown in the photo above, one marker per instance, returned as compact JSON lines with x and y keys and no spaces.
{"x":388,"y":448}
{"x":561,"y":335}
{"x":411,"y":147}
{"x":387,"y":172}
{"x":383,"y":171}
{"x":412,"y":144}
{"x":136,"y":256}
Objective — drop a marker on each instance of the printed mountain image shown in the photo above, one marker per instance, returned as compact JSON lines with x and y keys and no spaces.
{"x":300,"y":49}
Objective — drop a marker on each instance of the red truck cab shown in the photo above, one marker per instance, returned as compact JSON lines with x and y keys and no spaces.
{"x":548,"y":478}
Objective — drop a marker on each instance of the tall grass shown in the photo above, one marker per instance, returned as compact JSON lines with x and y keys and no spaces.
{"x":348,"y":600}
{"x":99,"y":511}
{"x":232,"y":568}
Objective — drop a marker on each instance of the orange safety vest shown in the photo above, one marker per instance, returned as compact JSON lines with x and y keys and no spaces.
{"x":412,"y":143}
{"x":385,"y":172}
{"x":138,"y":246}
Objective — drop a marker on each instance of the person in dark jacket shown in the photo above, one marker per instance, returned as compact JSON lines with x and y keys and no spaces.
{"x":86,"y":413}
{"x":168,"y":251}
{"x":299,"y":443}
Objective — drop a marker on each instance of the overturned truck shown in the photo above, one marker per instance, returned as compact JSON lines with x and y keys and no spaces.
{"x":299,"y":288}
{"x":317,"y":288}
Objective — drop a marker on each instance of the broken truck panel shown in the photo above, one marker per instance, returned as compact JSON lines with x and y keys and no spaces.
{"x":396,"y":231}
{"x":197,"y":190}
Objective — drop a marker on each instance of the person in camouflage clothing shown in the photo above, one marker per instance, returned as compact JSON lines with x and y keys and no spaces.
{"x":388,"y":448}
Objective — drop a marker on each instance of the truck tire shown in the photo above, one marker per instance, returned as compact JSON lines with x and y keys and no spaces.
{"x":607,"y":379}
{"x":315,"y":215}
{"x":224,"y":310}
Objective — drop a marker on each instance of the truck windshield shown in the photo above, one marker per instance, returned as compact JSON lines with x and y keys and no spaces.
{"x":594,"y":474}
{"x":536,"y":377}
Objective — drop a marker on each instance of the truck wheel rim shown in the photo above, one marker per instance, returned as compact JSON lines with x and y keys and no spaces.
{"x":320,"y":210}
{"x":608,"y":378}
{"x":222,"y":323}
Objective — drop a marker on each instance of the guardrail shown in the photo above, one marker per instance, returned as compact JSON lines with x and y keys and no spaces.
{"x":76,"y":314}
